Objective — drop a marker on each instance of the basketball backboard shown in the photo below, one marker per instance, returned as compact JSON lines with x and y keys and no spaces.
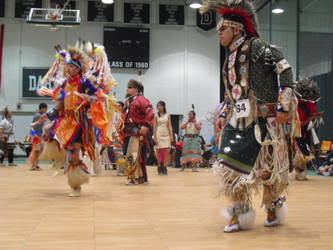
{"x":54,"y":17}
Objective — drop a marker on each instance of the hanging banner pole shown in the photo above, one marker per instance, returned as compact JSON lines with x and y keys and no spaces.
{"x":2,"y":30}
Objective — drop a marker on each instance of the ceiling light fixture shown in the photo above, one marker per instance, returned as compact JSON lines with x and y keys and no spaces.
{"x":195,"y":4}
{"x":277,"y":8}
{"x":107,"y":1}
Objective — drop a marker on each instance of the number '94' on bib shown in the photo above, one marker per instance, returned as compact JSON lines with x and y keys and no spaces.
{"x":242,"y":108}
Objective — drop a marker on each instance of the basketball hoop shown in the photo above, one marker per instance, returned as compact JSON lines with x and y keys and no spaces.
{"x":54,"y":15}
{"x":55,"y":11}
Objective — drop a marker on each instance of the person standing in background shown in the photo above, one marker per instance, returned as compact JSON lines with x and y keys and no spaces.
{"x":192,"y":143}
{"x":163,"y":138}
{"x":36,"y":133}
{"x":7,"y":137}
{"x":139,"y":118}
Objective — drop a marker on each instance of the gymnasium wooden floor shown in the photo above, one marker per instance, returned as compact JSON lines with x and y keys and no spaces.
{"x":178,"y":211}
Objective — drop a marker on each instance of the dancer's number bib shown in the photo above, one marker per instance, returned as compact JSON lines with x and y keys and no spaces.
{"x":242,"y":108}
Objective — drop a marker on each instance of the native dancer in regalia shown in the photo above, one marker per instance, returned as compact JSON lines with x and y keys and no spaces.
{"x":138,"y":121}
{"x":253,"y":149}
{"x":308,"y":94}
{"x":84,"y":106}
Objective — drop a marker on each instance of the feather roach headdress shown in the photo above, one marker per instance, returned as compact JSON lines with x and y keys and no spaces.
{"x":89,"y":57}
{"x":234,"y":13}
{"x":78,"y":57}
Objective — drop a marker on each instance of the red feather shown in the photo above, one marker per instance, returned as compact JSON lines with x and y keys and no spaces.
{"x":249,"y":26}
